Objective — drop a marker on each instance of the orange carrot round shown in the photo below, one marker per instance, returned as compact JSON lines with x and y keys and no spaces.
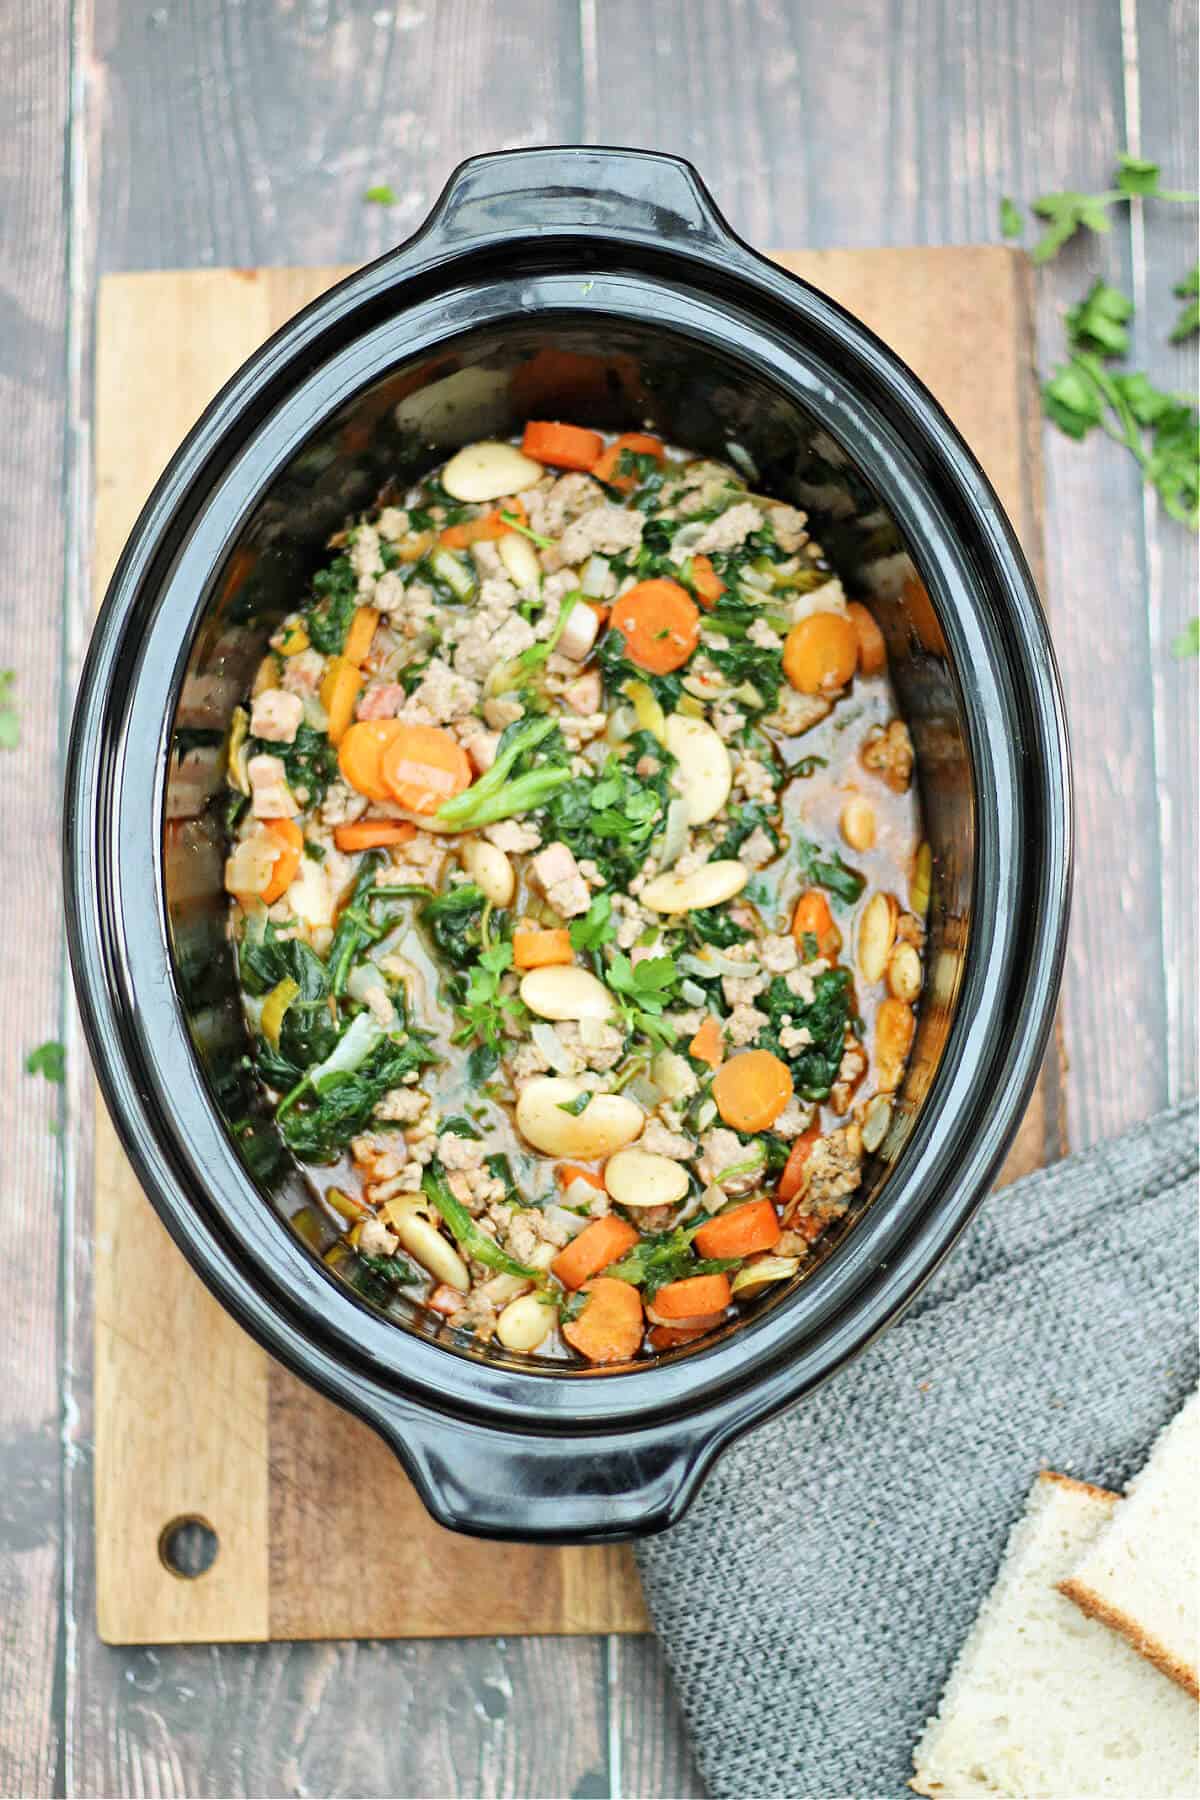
{"x":792,"y":1179}
{"x":820,"y":653}
{"x":872,"y":651}
{"x":812,"y":918}
{"x":638,"y":443}
{"x":740,"y":1232}
{"x":372,"y":834}
{"x":708,"y":1045}
{"x":602,"y":1242}
{"x":422,"y":766}
{"x":660,"y":624}
{"x":564,"y":446}
{"x":707,"y":583}
{"x":692,"y":1297}
{"x":290,"y":839}
{"x":609,"y":1329}
{"x":359,"y":755}
{"x":536,"y":949}
{"x":751,"y":1090}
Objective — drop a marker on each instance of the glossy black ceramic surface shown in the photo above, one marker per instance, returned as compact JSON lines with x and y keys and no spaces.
{"x":600,"y":286}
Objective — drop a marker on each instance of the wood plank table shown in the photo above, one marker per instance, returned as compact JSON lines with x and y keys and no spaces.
{"x":197,"y":132}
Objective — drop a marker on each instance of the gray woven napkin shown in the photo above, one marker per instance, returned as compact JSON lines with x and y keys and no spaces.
{"x":813,"y":1600}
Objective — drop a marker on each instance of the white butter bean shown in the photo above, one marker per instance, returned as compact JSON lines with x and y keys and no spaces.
{"x":491,"y":869}
{"x":525,"y":1323}
{"x":705,"y":773}
{"x":489,"y":471}
{"x":858,"y":823}
{"x":426,"y":1243}
{"x":520,"y":560}
{"x":706,"y":886}
{"x":904,"y":972}
{"x":562,"y":991}
{"x":640,"y":1178}
{"x":876,"y":934}
{"x":607,"y":1123}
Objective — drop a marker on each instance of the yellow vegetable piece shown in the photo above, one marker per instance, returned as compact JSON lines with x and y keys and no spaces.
{"x":275,"y":1006}
{"x":650,"y":715}
{"x":339,"y":691}
{"x":294,"y":641}
{"x":235,"y":761}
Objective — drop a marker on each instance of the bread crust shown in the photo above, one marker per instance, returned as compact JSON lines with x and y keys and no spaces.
{"x":1097,"y":1608}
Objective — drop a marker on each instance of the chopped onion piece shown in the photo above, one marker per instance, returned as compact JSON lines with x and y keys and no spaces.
{"x":571,"y":1223}
{"x":693,"y":993}
{"x":712,"y":964}
{"x":552,"y":1047}
{"x":674,"y":833}
{"x":742,"y":459}
{"x":595,"y":577}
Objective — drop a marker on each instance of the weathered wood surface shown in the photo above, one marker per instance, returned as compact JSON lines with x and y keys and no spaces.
{"x":194,"y":134}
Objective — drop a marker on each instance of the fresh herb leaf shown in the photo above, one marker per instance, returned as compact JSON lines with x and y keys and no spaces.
{"x":595,"y":928}
{"x":1098,"y":322}
{"x":394,"y":1270}
{"x":381,"y":195}
{"x":1011,"y":224}
{"x":650,"y":982}
{"x":1137,"y":176}
{"x":611,"y":819}
{"x":1068,"y":213}
{"x":10,"y":720}
{"x":1188,"y":641}
{"x":327,"y":619}
{"x":50,"y":1060}
{"x":750,"y":818}
{"x":829,"y":872}
{"x":1189,"y":318}
{"x":576,"y":1106}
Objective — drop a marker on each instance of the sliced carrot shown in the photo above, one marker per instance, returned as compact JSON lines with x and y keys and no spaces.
{"x":820,"y":653}
{"x":669,"y":1337}
{"x":707,"y":583}
{"x":372,"y":834}
{"x":422,"y":766}
{"x":792,"y":1179}
{"x":444,"y":1300}
{"x":872,"y":651}
{"x":290,"y":839}
{"x":708,"y":1045}
{"x":751,"y":1090}
{"x":486,"y":529}
{"x":659,"y":622}
{"x":638,"y":443}
{"x":564,"y":446}
{"x":602,"y":1242}
{"x":339,"y":690}
{"x":692,"y":1297}
{"x":609,"y":1329}
{"x":812,"y":918}
{"x":360,"y":635}
{"x":535,"y":949}
{"x":739,"y":1232}
{"x":569,"y":1172}
{"x":360,"y":753}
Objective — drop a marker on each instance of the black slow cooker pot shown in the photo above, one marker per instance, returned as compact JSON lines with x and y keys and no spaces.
{"x":600,"y":286}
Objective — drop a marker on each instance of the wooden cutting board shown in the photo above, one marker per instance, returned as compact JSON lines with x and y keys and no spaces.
{"x":193,"y":1420}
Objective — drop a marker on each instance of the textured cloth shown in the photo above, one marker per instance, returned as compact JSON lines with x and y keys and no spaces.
{"x":812,"y":1602}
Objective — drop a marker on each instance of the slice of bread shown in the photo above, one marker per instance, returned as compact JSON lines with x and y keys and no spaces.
{"x":1045,"y":1701}
{"x":1142,"y":1573}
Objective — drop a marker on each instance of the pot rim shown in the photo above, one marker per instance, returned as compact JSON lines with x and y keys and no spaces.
{"x":987,"y":605}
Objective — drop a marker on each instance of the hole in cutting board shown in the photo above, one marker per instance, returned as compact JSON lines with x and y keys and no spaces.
{"x":188,"y":1546}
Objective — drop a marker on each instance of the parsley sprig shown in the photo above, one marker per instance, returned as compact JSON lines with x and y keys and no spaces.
{"x":1065,"y":214}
